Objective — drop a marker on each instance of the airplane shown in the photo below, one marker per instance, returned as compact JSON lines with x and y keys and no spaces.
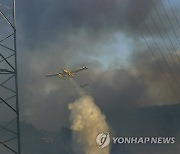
{"x":84,"y":85}
{"x":67,"y":73}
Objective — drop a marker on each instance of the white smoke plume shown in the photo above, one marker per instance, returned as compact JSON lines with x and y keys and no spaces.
{"x":87,"y":122}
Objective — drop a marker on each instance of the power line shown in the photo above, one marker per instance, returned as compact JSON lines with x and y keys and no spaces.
{"x":160,"y":51}
{"x":164,"y":74}
{"x":165,"y":31}
{"x":170,"y":22}
{"x":173,"y":13}
{"x":164,"y":41}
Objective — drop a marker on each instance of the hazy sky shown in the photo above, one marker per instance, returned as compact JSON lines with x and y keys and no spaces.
{"x":104,"y":35}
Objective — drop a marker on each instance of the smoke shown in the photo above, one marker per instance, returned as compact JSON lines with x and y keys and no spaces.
{"x":87,"y":122}
{"x":79,"y":90}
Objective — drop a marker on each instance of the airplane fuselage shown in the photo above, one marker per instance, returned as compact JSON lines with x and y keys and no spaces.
{"x":68,"y":73}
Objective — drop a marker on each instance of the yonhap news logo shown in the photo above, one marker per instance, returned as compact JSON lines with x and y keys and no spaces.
{"x":143,"y":140}
{"x":103,"y":140}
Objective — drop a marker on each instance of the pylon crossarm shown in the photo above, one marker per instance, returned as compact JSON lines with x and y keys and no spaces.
{"x":7,"y":7}
{"x":7,"y":80}
{"x":6,"y":47}
{"x":7,"y":37}
{"x":7,"y":57}
{"x":7,"y":104}
{"x":4,"y":16}
{"x":4,"y":128}
{"x":8,"y":147}
{"x":8,"y":123}
{"x":11,"y":139}
{"x":9,"y":89}
{"x":7,"y":61}
{"x":8,"y":98}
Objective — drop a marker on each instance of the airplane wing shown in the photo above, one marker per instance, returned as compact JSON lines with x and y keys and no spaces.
{"x":78,"y":70}
{"x":49,"y":75}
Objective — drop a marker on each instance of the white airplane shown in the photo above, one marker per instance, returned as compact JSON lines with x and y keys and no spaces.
{"x":67,"y":73}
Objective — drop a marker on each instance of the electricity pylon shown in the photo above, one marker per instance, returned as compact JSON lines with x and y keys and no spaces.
{"x":9,"y":106}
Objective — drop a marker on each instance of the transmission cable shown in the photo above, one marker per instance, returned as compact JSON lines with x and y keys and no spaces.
{"x":173,"y":90}
{"x":163,"y":41}
{"x":174,"y":13}
{"x":160,"y":67}
{"x":170,"y":22}
{"x":160,"y":51}
{"x":166,"y":31}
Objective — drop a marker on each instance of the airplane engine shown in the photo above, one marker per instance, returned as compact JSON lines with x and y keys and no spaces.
{"x":72,"y":75}
{"x":60,"y":76}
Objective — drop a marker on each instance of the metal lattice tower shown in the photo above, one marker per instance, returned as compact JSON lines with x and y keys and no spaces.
{"x":9,"y":107}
